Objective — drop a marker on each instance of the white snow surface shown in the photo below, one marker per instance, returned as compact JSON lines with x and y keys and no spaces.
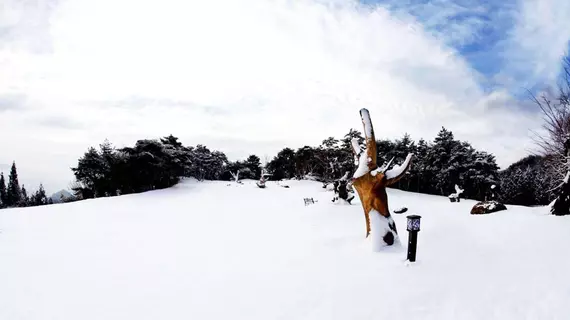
{"x":459,"y":191}
{"x":201,"y":250}
{"x":355,"y":146}
{"x":362,"y":167}
{"x":379,"y":225}
{"x":396,"y":171}
{"x":367,"y":123}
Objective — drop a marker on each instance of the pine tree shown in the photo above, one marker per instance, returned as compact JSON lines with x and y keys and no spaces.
{"x":24,"y":201}
{"x":39,"y":198}
{"x":332,"y":158}
{"x":439,"y":160}
{"x":418,"y":170}
{"x":3,"y":191}
{"x":172,"y":141}
{"x":283,"y":165}
{"x":90,"y":172}
{"x":14,"y":192}
{"x":253,"y":163}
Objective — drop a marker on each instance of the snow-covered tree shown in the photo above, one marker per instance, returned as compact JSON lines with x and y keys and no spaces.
{"x":561,"y":205}
{"x":555,"y":108}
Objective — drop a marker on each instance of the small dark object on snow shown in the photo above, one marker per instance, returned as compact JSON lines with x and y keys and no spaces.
{"x":261,"y":182}
{"x":341,"y":190}
{"x":486,"y":207}
{"x":287,"y":187}
{"x":309,"y":201}
{"x":401,"y":210}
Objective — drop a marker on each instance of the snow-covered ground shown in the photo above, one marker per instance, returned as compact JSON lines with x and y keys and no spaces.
{"x":212,"y":251}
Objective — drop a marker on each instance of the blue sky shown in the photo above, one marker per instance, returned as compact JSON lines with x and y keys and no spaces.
{"x":487,"y":36}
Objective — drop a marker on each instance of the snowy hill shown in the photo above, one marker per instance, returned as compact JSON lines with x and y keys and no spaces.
{"x":212,"y":251}
{"x":56,"y":197}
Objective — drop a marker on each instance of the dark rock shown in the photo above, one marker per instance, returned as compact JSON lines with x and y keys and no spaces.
{"x":486,"y":207}
{"x":401,"y":210}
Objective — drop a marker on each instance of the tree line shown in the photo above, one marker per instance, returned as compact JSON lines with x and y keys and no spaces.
{"x":13,"y":195}
{"x":153,"y":164}
{"x":437,"y":167}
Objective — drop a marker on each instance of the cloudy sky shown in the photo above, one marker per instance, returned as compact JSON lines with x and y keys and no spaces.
{"x":254,"y":76}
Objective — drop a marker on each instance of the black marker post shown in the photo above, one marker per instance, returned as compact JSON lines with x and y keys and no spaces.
{"x":413,"y":229}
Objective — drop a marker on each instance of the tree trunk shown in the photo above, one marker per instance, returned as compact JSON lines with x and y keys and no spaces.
{"x":370,"y":182}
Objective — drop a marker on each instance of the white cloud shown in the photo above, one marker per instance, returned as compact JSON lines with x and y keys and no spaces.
{"x":537,"y":43}
{"x":248,"y":76}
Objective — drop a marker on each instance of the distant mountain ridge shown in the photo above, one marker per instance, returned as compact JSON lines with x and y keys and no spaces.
{"x":60,"y":195}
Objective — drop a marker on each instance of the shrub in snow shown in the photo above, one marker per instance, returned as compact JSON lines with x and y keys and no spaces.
{"x":341,"y":190}
{"x":455,"y":197}
{"x":486,"y":207}
{"x":261,"y":182}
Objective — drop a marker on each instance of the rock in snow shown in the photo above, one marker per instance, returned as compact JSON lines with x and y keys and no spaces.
{"x":486,"y":207}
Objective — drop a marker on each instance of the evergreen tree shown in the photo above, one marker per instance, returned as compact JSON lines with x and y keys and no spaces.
{"x":418,"y":169}
{"x":14,"y":193}
{"x":401,"y":149}
{"x":528,"y":182}
{"x":333,"y":158}
{"x":24,"y":201}
{"x":283,"y":165}
{"x":172,"y":141}
{"x":253,"y":163}
{"x":385,"y":151}
{"x":108,"y":186}
{"x":307,"y":163}
{"x":3,"y":191}
{"x":347,"y":140}
{"x":90,"y":171}
{"x":39,"y":198}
